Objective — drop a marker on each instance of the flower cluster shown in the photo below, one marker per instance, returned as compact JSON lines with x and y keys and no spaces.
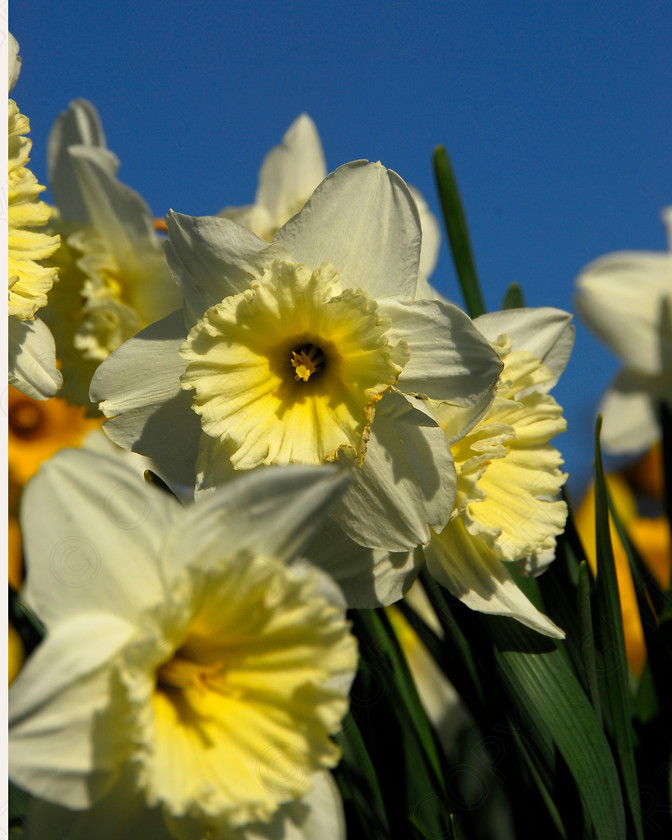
{"x":321,"y":425}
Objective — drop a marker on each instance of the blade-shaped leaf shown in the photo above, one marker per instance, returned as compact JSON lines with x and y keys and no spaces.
{"x":514,"y":297}
{"x":458,"y":233}
{"x":610,"y":625}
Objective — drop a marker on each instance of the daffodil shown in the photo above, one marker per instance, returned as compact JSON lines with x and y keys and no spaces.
{"x":192,"y":672}
{"x":508,"y":474}
{"x":626,"y":300}
{"x":311,"y":349}
{"x":508,"y":477}
{"x":113,"y":277}
{"x":288,"y":176}
{"x":32,"y":360}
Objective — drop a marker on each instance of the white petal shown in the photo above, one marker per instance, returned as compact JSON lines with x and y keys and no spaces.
{"x":626,"y":300}
{"x":363,"y":220}
{"x":406,"y":484}
{"x":630,"y":415}
{"x":368,"y":577}
{"x":138,"y":387}
{"x":69,"y":718}
{"x":79,"y":125}
{"x":121,"y":815}
{"x":118,"y":213}
{"x":431,"y":233}
{"x":270,"y":512}
{"x":316,"y":816}
{"x":14,"y":61}
{"x":92,"y":532}
{"x":424,"y":289}
{"x":450,"y":359}
{"x":667,"y":221}
{"x":212,"y":258}
{"x":543,"y":331}
{"x":290,"y":172}
{"x":32,"y":359}
{"x":482,"y":581}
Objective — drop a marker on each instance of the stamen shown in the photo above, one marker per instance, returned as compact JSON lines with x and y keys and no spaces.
{"x":306,"y":361}
{"x":182,"y":673}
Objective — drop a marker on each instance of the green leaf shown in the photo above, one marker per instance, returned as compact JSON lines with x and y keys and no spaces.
{"x":514,"y":297}
{"x":615,"y":666}
{"x":548,"y":698}
{"x":458,"y":233}
{"x":588,"y":654}
{"x":530,"y":678}
{"x":358,"y":782}
{"x":397,"y":734}
{"x":463,"y":671}
{"x":386,"y":646}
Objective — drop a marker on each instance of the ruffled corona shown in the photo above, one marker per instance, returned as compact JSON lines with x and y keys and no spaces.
{"x":29,"y":282}
{"x":507,"y":473}
{"x":242,"y":709}
{"x":290,"y":370}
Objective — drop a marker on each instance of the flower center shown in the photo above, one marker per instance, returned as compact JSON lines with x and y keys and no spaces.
{"x":25,"y":419}
{"x":290,"y":370}
{"x":180,"y":672}
{"x":307,"y":360}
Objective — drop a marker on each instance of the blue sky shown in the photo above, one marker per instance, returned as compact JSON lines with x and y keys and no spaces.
{"x":556,"y":116}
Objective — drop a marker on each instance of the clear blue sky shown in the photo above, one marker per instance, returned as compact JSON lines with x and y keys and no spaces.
{"x":556,"y":116}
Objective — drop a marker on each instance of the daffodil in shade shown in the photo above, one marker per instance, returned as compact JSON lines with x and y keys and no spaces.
{"x":192,"y":672}
{"x":32,"y":359}
{"x":625,"y":298}
{"x":114,"y":279}
{"x":310,"y":349}
{"x":288,"y":176}
{"x":508,"y":473}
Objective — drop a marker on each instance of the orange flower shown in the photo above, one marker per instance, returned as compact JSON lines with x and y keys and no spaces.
{"x":39,"y":429}
{"x":650,"y":536}
{"x":36,"y":430}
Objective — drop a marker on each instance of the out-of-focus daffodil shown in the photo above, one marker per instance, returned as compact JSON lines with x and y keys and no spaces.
{"x":313,"y":348}
{"x":113,"y":277}
{"x":32,"y":360}
{"x":36,"y":430}
{"x":626,"y":300}
{"x":289,"y":175}
{"x":192,"y":673}
{"x":651,"y":538}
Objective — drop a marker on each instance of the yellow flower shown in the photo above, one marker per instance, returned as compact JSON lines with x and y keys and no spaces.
{"x":113,"y":277}
{"x":508,"y":474}
{"x":29,"y":281}
{"x":310,"y":349}
{"x":188,"y":661}
{"x":32,"y":362}
{"x":36,"y":430}
{"x":290,"y":370}
{"x":651,"y":538}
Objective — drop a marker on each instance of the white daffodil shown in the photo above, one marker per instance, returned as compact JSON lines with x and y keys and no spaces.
{"x":508,"y":475}
{"x":114,"y":278}
{"x":508,"y":478}
{"x":288,"y":176}
{"x":626,"y":300}
{"x":32,"y":355}
{"x":310,"y":349}
{"x":191,"y":675}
